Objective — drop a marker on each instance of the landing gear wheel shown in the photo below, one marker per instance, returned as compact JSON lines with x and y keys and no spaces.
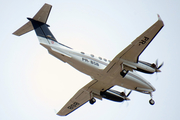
{"x":92,"y":101}
{"x":123,"y":72}
{"x":151,"y":101}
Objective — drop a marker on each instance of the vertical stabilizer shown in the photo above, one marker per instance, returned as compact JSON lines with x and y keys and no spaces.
{"x":38,"y":23}
{"x":43,"y":14}
{"x":42,"y":30}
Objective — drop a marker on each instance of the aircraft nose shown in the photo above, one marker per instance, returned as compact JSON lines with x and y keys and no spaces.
{"x":152,"y":87}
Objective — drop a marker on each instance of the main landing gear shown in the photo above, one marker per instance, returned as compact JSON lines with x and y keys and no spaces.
{"x":92,"y":101}
{"x":123,"y":73}
{"x":151,"y":101}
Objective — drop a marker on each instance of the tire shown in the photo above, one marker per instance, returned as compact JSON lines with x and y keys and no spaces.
{"x":92,"y":101}
{"x":151,"y":101}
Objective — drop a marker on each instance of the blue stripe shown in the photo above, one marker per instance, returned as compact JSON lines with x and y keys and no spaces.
{"x":42,"y":30}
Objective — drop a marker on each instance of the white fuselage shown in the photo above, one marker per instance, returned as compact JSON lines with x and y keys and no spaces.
{"x":94,"y":66}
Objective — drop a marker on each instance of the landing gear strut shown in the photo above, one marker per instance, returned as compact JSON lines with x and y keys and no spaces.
{"x":92,"y":101}
{"x":151,"y":101}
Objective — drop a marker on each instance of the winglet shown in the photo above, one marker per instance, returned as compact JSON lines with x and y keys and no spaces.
{"x":159,"y":18}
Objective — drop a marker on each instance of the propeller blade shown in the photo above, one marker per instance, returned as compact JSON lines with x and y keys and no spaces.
{"x":128,"y":93}
{"x":160,"y":65}
{"x":156,"y":63}
{"x":125,"y":91}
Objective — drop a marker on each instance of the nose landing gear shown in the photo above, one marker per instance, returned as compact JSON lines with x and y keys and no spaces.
{"x":151,"y":101}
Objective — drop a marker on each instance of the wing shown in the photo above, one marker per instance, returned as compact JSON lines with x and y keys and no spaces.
{"x":92,"y":89}
{"x":80,"y":98}
{"x":130,"y":53}
{"x":133,"y":51}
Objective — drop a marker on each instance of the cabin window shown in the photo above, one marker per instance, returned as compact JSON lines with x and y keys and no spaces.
{"x":105,"y":59}
{"x":100,"y":58}
{"x":82,"y":53}
{"x":92,"y":55}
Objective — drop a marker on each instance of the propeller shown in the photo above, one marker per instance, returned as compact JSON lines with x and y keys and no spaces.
{"x":155,"y":65}
{"x":124,"y":94}
{"x":129,"y":93}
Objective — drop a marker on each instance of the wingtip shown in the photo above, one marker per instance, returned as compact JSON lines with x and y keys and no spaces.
{"x":159,"y":18}
{"x":47,"y":4}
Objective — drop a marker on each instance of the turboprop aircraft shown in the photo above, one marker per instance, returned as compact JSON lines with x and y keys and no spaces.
{"x":121,"y":71}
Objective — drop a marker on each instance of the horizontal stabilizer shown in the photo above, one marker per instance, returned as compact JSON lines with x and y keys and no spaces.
{"x":24,"y":29}
{"x":41,"y":16}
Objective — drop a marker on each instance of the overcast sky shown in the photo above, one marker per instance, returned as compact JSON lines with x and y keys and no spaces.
{"x":35,"y":85}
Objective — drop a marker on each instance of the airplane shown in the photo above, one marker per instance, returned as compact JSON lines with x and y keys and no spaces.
{"x":105,"y":74}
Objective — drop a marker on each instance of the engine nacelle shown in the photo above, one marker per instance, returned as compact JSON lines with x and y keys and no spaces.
{"x":114,"y":95}
{"x":140,"y":66}
{"x":132,"y":80}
